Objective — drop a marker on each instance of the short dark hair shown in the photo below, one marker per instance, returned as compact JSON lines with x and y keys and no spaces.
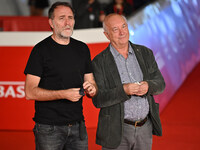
{"x":56,"y":4}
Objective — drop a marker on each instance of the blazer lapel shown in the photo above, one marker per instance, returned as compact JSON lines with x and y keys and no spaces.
{"x":112,"y":67}
{"x":140,"y":60}
{"x":113,"y":71}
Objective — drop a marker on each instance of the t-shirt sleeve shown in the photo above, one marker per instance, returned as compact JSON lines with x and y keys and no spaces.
{"x":34,"y":65}
{"x":88,"y":62}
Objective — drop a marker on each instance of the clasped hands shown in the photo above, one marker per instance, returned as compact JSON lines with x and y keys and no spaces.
{"x":137,"y":88}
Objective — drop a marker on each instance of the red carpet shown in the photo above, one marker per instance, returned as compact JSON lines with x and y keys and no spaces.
{"x":180,"y":120}
{"x":181,"y":117}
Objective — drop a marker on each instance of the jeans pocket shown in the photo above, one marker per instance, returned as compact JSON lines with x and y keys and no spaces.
{"x":82,"y":131}
{"x":43,"y":128}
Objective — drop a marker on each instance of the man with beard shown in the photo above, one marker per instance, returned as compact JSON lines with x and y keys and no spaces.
{"x":58,"y":75}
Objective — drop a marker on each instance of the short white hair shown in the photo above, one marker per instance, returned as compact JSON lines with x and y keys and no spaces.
{"x":108,"y":16}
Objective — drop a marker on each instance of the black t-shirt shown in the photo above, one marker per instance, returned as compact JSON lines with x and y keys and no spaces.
{"x":59,"y":67}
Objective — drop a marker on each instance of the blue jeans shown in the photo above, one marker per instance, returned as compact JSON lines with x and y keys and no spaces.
{"x":50,"y":137}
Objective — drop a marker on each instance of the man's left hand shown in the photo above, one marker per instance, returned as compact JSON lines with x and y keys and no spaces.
{"x":89,"y":89}
{"x":143,"y":88}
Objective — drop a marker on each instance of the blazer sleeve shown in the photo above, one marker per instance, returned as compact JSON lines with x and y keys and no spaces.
{"x":155,"y":79}
{"x":110,"y":90}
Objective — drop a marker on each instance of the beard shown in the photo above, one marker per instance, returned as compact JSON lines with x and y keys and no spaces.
{"x":65,"y":32}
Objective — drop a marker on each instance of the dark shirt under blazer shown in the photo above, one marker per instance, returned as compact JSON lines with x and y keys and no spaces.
{"x":111,"y":95}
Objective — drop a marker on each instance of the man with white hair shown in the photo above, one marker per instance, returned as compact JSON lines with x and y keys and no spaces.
{"x":127,"y":77}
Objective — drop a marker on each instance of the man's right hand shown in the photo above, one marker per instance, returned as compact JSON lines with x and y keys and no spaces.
{"x":136,"y":88}
{"x":33,"y":92}
{"x":72,"y":94}
{"x":131,"y":88}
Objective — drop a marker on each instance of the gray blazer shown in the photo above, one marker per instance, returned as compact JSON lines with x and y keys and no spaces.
{"x":111,"y":95}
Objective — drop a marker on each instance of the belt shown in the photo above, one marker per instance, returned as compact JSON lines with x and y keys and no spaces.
{"x":136,"y":123}
{"x":69,"y":124}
